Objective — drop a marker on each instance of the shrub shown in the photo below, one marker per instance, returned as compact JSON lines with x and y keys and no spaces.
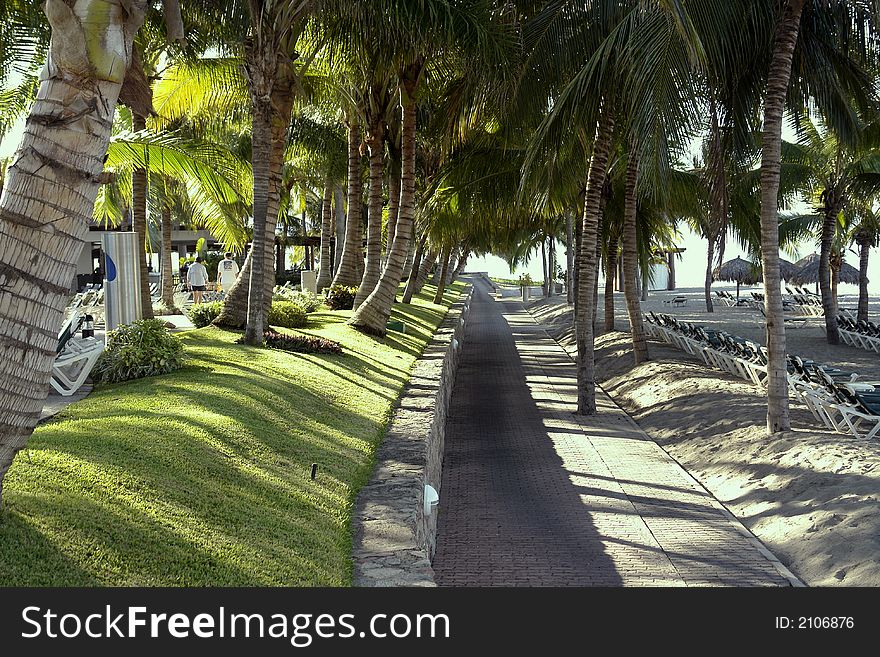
{"x":202,"y":314}
{"x":287,"y":314}
{"x":303,"y":344}
{"x":341,"y":297}
{"x":306,"y":300}
{"x":160,"y":308}
{"x":142,"y":348}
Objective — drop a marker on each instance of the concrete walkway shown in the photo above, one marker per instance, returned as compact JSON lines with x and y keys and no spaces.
{"x":533,"y":495}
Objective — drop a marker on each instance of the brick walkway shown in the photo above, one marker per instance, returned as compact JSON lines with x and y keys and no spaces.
{"x":533,"y":495}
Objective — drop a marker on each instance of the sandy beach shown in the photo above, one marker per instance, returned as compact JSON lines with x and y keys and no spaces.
{"x":811,"y":496}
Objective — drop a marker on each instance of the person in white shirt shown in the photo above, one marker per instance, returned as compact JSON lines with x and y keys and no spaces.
{"x":227,"y":272}
{"x":197,"y":277}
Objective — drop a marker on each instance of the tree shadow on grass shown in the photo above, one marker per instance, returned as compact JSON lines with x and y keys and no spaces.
{"x":22,"y":544}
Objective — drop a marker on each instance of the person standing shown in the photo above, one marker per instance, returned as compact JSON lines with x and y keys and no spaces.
{"x":197,"y":277}
{"x":227,"y":272}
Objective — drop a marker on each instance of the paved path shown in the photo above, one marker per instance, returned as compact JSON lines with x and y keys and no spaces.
{"x":533,"y":495}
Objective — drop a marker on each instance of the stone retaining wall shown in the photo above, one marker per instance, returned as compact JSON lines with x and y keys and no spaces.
{"x":394,"y":540}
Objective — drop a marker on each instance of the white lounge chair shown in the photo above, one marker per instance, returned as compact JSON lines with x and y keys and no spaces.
{"x":76,"y":358}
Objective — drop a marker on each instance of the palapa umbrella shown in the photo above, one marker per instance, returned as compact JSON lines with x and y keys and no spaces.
{"x":808,"y":272}
{"x":737,"y":271}
{"x":786,"y":270}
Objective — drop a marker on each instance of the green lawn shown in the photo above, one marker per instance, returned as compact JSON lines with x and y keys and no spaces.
{"x":201,"y":477}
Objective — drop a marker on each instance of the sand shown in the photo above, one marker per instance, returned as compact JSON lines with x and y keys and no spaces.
{"x":811,"y":496}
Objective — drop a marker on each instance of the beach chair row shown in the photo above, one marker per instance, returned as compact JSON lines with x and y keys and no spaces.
{"x":836,"y":398}
{"x":725,"y":297}
{"x":737,"y":356}
{"x":861,"y":334}
{"x":805,"y":302}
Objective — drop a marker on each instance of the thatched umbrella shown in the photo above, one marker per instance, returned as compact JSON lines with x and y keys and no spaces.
{"x":737,"y":270}
{"x":786,"y":270}
{"x":808,"y":272}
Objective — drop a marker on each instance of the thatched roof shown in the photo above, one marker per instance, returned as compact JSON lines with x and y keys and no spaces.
{"x":736,"y":271}
{"x":809,"y":272}
{"x":786,"y":270}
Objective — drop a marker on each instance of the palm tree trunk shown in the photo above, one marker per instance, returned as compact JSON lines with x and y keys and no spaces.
{"x":410,"y":256}
{"x":570,"y":249}
{"x":610,"y":271}
{"x":48,"y":198}
{"x":576,"y":273}
{"x":375,"y":139}
{"x":280,"y":252}
{"x":631,"y":259}
{"x":257,"y":317}
{"x":373,"y":314}
{"x":324,"y":274}
{"x":234,"y":312}
{"x":235,"y":304}
{"x":352,"y":250}
{"x":774,"y":104}
{"x":453,"y":264}
{"x":165,"y":265}
{"x":835,"y":280}
{"x":545,"y":286}
{"x":425,"y":270}
{"x":552,"y":264}
{"x":718,"y":202}
{"x":864,"y":254}
{"x":393,"y":211}
{"x":339,"y":209}
{"x":416,"y":268}
{"x":139,"y":222}
{"x":441,"y":285}
{"x":829,"y":227}
{"x":597,"y":268}
{"x":462,"y":262}
{"x":707,"y":283}
{"x":587,"y":266}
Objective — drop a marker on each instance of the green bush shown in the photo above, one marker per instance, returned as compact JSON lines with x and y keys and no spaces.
{"x":287,"y":314}
{"x":202,"y":314}
{"x":306,"y":300}
{"x":143,"y":348}
{"x":341,"y":297}
{"x":303,"y":344}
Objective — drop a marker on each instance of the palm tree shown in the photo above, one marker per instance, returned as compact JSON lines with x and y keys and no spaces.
{"x":471,"y":33}
{"x":631,"y":258}
{"x":865,"y":234}
{"x":317,"y":155}
{"x":48,"y":197}
{"x":838,"y":172}
{"x":774,"y":103}
{"x":351,"y":261}
{"x":276,"y":27}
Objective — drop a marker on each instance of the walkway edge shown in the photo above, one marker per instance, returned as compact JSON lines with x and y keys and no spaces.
{"x":394,"y":540}
{"x":780,"y":567}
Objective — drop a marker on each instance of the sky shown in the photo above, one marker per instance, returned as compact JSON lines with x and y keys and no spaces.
{"x":690,"y":270}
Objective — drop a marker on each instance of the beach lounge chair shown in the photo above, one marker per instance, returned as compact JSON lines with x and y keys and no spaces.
{"x":75,"y":357}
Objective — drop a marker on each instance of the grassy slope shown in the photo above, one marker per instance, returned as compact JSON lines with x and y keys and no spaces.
{"x":201,"y":477}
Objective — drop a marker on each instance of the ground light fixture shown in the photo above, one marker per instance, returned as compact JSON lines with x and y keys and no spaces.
{"x":432,"y":499}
